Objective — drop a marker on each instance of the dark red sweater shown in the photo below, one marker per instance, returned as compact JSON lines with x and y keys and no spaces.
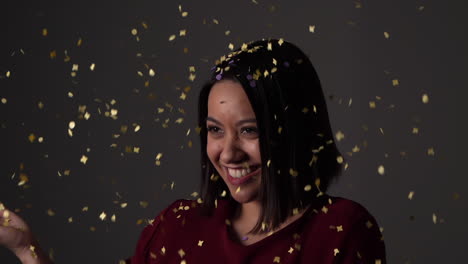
{"x":332,"y":230}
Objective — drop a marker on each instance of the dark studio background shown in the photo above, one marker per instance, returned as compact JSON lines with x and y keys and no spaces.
{"x":425,"y":51}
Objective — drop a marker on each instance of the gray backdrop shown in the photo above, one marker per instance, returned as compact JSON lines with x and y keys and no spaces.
{"x":422,"y":52}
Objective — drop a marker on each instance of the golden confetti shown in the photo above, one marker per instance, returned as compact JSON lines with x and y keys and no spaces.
{"x":434,"y":218}
{"x":53,"y":54}
{"x":386,"y":35}
{"x":339,"y":159}
{"x":324,"y":209}
{"x":372,"y":104}
{"x":79,"y":42}
{"x":143,"y":204}
{"x":280,"y":129}
{"x":87,"y":116}
{"x":181,"y":253}
{"x":83,"y":159}
{"x":415,"y":130}
{"x":85,"y":209}
{"x":70,"y":220}
{"x":50,"y":212}
{"x":182,"y":32}
{"x":395,"y":82}
{"x":172,"y":37}
{"x":293,"y":172}
{"x":8,"y":74}
{"x":430,"y":151}
{"x":381,"y":170}
{"x":280,"y":41}
{"x":231,"y":46}
{"x":312,"y":28}
{"x":184,"y":14}
{"x":410,"y":195}
{"x":151,"y":72}
{"x":92,"y":66}
{"x":238,"y":189}
{"x":31,"y":137}
{"x":335,"y":252}
{"x":339,"y":135}
{"x":200,"y":243}
{"x":102,"y":216}
{"x":134,"y":31}
{"x":44,"y":32}
{"x":307,"y":188}
{"x":71,"y":124}
{"x":4,"y":100}
{"x":276,"y":259}
{"x":290,"y":251}
{"x":339,"y":228}
{"x":425,"y":98}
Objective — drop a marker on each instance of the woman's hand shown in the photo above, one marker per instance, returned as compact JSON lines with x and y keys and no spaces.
{"x":16,"y":236}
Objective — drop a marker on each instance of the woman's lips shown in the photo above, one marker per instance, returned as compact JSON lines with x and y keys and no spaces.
{"x":243,"y":179}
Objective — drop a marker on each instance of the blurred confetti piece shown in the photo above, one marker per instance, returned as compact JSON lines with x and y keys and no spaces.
{"x":53,"y":54}
{"x":434,"y":218}
{"x":339,"y":159}
{"x":134,"y":31}
{"x":8,"y":74}
{"x":44,"y":32}
{"x":92,"y":66}
{"x":4,"y":100}
{"x":79,"y":42}
{"x":430,"y":151}
{"x":312,"y":28}
{"x":410,"y":195}
{"x":84,"y":159}
{"x":50,"y":212}
{"x":102,"y":216}
{"x":308,"y":187}
{"x":182,"y":32}
{"x":381,"y":170}
{"x":151,"y":72}
{"x":395,"y":82}
{"x":425,"y":98}
{"x":71,"y":125}
{"x":172,"y":37}
{"x":31,"y":137}
{"x":386,"y":35}
{"x":113,"y":218}
{"x":339,"y":135}
{"x":231,"y":46}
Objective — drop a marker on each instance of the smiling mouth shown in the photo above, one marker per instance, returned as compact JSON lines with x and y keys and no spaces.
{"x":241,"y":175}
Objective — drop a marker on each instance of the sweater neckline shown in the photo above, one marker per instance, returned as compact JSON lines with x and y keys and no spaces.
{"x":286,"y":230}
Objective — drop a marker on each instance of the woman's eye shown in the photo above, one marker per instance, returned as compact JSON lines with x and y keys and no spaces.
{"x":250,"y":130}
{"x":213,"y":129}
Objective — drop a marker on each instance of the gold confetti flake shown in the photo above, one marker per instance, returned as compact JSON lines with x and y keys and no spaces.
{"x":425,"y":98}
{"x":307,"y":188}
{"x":231,"y":46}
{"x":324,"y":209}
{"x":181,"y":253}
{"x":291,"y":250}
{"x":293,"y":172}
{"x":183,"y":261}
{"x":339,"y":135}
{"x":134,"y":31}
{"x":143,"y":204}
{"x":123,"y":205}
{"x":4,"y":100}
{"x":85,"y":209}
{"x":92,"y":228}
{"x":276,"y":259}
{"x":182,"y":32}
{"x":434,"y":218}
{"x":223,"y":193}
{"x":378,"y":261}
{"x":381,"y":170}
{"x":8,"y":74}
{"x":71,"y":124}
{"x":50,"y":212}
{"x":415,"y":130}
{"x":339,"y":228}
{"x":386,"y":35}
{"x":280,"y":41}
{"x":369,"y":224}
{"x":227,"y":32}
{"x":70,"y":95}
{"x":53,"y":54}
{"x":238,"y":189}
{"x":83,"y":159}
{"x":372,"y":104}
{"x":339,"y":159}
{"x":430,"y":151}
{"x":172,"y":37}
{"x":44,"y":32}
{"x":184,"y":14}
{"x":268,"y":163}
{"x":335,"y":252}
{"x":395,"y":82}
{"x":70,"y":219}
{"x":410,"y":195}
{"x":79,"y":42}
{"x":102,"y":216}
{"x":92,"y":66}
{"x":31,"y":137}
{"x":200,"y":243}
{"x":312,"y":28}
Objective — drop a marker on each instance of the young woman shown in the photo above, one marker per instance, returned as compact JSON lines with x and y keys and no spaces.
{"x":268,"y":157}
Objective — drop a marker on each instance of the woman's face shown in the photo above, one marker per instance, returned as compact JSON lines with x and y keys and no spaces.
{"x":232,"y":140}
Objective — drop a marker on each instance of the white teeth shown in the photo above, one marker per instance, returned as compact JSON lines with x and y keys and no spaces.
{"x":237,"y":173}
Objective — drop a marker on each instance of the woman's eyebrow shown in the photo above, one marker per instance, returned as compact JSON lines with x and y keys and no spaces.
{"x":240,"y":122}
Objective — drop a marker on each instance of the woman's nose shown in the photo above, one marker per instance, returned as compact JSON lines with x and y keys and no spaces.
{"x":231,"y":150}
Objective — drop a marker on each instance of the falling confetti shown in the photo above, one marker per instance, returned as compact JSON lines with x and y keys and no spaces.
{"x":425,"y":98}
{"x":312,"y":28}
{"x":381,"y":170}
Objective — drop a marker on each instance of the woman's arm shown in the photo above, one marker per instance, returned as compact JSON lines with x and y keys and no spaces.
{"x":16,"y":235}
